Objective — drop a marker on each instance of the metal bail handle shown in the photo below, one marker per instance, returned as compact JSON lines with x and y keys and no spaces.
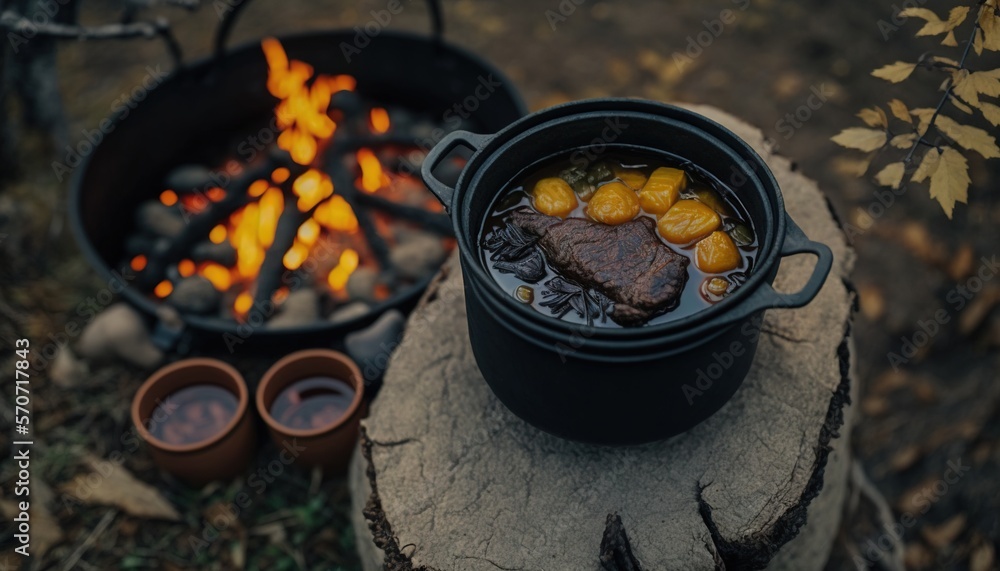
{"x":230,"y":17}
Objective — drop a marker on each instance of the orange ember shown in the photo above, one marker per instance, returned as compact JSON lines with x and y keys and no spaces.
{"x":163,"y":289}
{"x":372,"y":177}
{"x":218,"y":234}
{"x":338,"y":275}
{"x":257,"y":188}
{"x":138,"y":263}
{"x":336,"y":214}
{"x":186,"y":268}
{"x":379,"y":120}
{"x":215,"y":194}
{"x":168,"y":197}
{"x":243,"y":304}
{"x":280,"y":175}
{"x":219,"y":275}
{"x":312,"y":187}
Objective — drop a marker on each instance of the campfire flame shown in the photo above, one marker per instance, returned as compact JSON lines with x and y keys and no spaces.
{"x":307,"y":124}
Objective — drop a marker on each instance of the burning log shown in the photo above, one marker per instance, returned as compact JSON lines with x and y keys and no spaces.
{"x":433,"y":221}
{"x":201,"y":224}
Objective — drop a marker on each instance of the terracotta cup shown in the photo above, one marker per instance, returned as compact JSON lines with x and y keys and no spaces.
{"x":329,"y":447}
{"x":220,"y":457}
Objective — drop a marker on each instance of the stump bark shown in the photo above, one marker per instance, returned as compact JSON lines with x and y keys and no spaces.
{"x":447,"y":479}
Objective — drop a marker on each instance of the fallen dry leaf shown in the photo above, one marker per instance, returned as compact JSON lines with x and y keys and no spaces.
{"x":944,"y":534}
{"x":962,"y":262}
{"x":112,"y":484}
{"x":978,"y":310}
{"x":983,"y":558}
{"x":916,"y":556}
{"x":905,"y":458}
{"x":872,"y":301}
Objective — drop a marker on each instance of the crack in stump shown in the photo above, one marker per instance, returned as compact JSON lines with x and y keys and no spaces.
{"x":757,"y":552}
{"x":616,"y":551}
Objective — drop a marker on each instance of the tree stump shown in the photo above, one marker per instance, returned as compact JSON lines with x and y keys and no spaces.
{"x":446,"y":478}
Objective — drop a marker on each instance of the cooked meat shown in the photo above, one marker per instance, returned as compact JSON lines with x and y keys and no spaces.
{"x":628,"y":263}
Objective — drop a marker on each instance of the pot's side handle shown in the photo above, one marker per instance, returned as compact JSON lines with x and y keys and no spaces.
{"x":441,"y":150}
{"x":796,"y":242}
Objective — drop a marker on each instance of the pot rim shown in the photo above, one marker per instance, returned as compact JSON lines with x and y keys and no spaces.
{"x":269,"y":376}
{"x":755,"y":169}
{"x":203,"y":67}
{"x":243,"y":404}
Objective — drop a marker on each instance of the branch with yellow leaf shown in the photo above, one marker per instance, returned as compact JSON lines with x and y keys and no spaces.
{"x":938,"y":135}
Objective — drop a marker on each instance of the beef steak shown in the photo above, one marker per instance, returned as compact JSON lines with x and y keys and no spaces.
{"x":628,"y":263}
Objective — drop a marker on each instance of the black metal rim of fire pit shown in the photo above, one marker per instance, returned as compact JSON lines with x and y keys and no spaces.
{"x":507,"y":106}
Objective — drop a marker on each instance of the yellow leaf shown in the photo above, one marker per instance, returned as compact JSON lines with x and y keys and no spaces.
{"x":874,"y":117}
{"x":991,"y":112}
{"x":900,"y":111}
{"x":989,"y":22}
{"x":950,"y":182}
{"x":891,"y":175}
{"x":977,"y":43}
{"x":860,"y":138}
{"x":928,"y":166}
{"x":969,"y":86}
{"x":961,"y":106}
{"x":950,"y":40}
{"x":946,"y":60}
{"x":904,"y":141}
{"x":850,"y":166}
{"x":895,"y":72}
{"x":935,"y":25}
{"x":972,"y":138}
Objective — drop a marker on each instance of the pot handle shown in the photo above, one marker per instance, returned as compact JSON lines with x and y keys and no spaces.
{"x":442,"y":191}
{"x":233,"y":11}
{"x":796,"y":242}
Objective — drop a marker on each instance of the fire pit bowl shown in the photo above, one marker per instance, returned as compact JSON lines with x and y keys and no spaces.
{"x":225,"y":99}
{"x":604,"y":385}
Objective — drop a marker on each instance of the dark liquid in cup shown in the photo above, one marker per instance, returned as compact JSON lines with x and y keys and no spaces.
{"x":193,"y":414}
{"x":313,"y":402}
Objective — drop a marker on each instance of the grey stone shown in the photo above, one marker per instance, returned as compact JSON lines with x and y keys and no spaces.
{"x":119,"y":333}
{"x":465,"y":485}
{"x":195,"y":294}
{"x":361,"y":284}
{"x":301,"y":308}
{"x":372,"y":347}
{"x":156,"y":218}
{"x":67,"y":369}
{"x":418,"y":256}
{"x":348,"y":312}
{"x":186,"y":178}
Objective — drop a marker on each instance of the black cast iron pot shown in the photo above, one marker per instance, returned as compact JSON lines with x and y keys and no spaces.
{"x":226,"y":96}
{"x":631,"y":385}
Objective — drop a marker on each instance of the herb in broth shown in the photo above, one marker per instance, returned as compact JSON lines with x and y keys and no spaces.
{"x":634,"y":239}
